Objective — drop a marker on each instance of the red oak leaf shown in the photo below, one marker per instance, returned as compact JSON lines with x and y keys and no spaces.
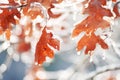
{"x":95,"y":9}
{"x":90,"y":42}
{"x":43,"y":47}
{"x":7,"y":15}
{"x":91,"y":24}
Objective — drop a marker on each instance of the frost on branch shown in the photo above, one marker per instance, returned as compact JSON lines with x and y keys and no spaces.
{"x":43,"y":47}
{"x":96,"y":13}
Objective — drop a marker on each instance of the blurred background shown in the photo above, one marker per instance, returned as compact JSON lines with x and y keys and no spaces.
{"x":67,"y":64}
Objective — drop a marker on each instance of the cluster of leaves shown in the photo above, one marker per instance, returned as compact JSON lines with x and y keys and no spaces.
{"x":89,"y":25}
{"x":8,"y":19}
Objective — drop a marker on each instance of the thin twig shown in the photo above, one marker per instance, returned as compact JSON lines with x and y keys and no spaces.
{"x":2,"y":6}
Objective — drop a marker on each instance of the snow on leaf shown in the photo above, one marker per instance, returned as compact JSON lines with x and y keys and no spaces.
{"x":90,"y":43}
{"x":95,"y":8}
{"x":43,"y":47}
{"x":91,"y":24}
{"x":33,"y":12}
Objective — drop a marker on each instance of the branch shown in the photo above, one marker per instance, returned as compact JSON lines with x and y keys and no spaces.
{"x":3,"y":6}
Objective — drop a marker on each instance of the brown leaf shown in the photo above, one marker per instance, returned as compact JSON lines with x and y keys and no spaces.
{"x":91,"y":24}
{"x":43,"y":48}
{"x":90,"y":42}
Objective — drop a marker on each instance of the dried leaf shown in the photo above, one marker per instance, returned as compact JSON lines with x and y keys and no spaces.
{"x":91,"y":24}
{"x":7,"y":15}
{"x":43,"y":47}
{"x":90,"y":42}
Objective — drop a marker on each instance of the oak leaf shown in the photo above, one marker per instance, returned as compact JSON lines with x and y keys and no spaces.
{"x":90,"y":43}
{"x":43,"y":47}
{"x":7,"y":15}
{"x":90,"y":24}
